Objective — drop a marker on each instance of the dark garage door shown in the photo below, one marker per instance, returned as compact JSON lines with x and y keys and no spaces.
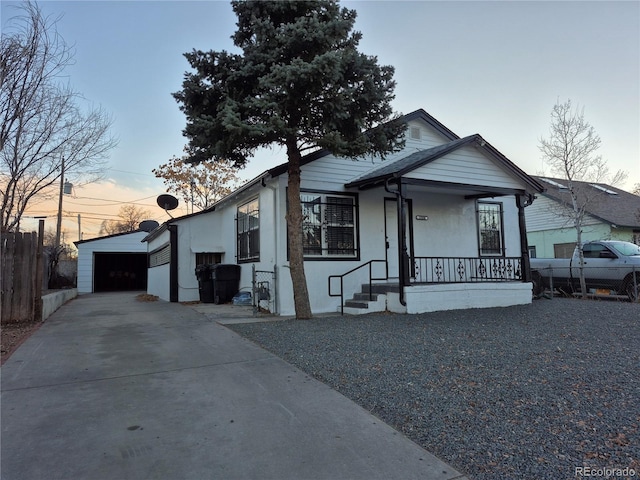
{"x":119,"y":272}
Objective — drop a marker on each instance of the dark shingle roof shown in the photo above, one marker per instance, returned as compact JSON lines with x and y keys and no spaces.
{"x":620,"y":208}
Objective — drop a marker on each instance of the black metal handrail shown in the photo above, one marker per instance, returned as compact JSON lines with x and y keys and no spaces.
{"x":467,"y":269}
{"x":341,"y":277}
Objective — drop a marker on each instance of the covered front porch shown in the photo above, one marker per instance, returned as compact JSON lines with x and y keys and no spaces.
{"x":437,"y":283}
{"x":454,"y":223}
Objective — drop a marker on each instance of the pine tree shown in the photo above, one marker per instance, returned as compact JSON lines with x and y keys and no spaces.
{"x":299,"y":82}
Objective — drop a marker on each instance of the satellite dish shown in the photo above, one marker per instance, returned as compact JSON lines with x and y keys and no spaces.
{"x":148,"y":225}
{"x":167,"y":202}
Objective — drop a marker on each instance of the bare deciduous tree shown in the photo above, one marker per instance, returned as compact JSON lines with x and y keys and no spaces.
{"x":44,"y":123}
{"x":200,"y":185}
{"x":570,"y":151}
{"x":130,"y":219}
{"x":56,"y":251}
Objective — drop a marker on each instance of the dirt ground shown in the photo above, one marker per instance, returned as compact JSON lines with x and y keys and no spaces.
{"x":13,"y":335}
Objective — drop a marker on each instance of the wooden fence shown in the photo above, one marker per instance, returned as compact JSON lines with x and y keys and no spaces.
{"x":21,"y":276}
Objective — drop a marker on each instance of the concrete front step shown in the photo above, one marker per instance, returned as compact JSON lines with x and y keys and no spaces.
{"x":356,"y":311}
{"x":361,"y":304}
{"x":380,"y":288}
{"x":355,"y":304}
{"x":364,"y":297}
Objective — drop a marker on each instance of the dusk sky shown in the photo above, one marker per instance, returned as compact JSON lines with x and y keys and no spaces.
{"x":493,"y":68}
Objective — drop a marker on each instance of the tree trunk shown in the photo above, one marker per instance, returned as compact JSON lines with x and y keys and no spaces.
{"x":583,"y":282}
{"x":294,"y":237}
{"x":578,"y":226}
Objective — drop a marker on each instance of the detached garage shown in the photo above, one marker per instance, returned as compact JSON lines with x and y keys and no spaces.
{"x":112,"y":263}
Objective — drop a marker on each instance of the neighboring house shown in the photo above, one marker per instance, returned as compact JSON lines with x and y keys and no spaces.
{"x":112,"y":263}
{"x":610,"y":214}
{"x":462,"y":243}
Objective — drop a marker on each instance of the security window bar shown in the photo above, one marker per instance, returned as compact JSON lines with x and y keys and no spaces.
{"x":204,"y":258}
{"x":490,"y":228}
{"x":329,"y":225}
{"x":248,"y":231}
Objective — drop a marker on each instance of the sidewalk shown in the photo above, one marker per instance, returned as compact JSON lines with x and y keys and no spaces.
{"x":113,"y":388}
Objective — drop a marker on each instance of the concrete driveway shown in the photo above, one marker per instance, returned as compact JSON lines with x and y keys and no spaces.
{"x":113,"y":388}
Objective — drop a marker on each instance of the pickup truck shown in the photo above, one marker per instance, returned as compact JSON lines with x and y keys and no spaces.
{"x":608,"y":265}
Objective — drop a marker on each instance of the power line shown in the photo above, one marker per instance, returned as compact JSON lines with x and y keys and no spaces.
{"x":108,"y":199}
{"x":68,"y":213}
{"x":110,"y":204}
{"x":114,"y":203}
{"x":134,"y":173}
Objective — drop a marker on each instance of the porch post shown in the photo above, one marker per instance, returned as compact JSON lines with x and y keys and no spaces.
{"x":173,"y":263}
{"x":403,"y":255}
{"x":524,"y":244}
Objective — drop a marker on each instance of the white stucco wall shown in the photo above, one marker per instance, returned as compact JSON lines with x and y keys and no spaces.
{"x":450,"y":231}
{"x":215,"y":232}
{"x":125,"y":243}
{"x":158,"y":282}
{"x":434,"y":298}
{"x":198,"y":234}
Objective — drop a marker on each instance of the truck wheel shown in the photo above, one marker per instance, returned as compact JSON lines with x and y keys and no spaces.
{"x":538,"y":284}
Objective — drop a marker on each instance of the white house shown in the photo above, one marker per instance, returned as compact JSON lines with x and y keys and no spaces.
{"x":462,"y":243}
{"x":112,"y":263}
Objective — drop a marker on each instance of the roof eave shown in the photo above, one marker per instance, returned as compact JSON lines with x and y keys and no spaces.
{"x":155,"y":233}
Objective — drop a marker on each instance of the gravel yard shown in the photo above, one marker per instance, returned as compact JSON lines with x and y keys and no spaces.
{"x":530,"y":391}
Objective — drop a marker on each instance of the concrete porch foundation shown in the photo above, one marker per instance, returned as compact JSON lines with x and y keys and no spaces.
{"x":458,"y":296}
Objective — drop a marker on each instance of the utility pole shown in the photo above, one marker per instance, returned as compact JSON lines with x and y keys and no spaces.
{"x":59,"y":224}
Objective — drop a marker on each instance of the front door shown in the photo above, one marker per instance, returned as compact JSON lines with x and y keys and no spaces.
{"x":391,"y":235}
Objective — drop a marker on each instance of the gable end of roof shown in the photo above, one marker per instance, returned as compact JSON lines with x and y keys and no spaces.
{"x":423,"y":157}
{"x":424,"y":116}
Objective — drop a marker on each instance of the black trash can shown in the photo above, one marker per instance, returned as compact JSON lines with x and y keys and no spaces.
{"x":226,"y":282}
{"x":205,"y":282}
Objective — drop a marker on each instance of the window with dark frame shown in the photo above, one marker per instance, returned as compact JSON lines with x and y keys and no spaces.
{"x":490,"y":228}
{"x":248,"y":231}
{"x":329,"y":225}
{"x":208,"y":258}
